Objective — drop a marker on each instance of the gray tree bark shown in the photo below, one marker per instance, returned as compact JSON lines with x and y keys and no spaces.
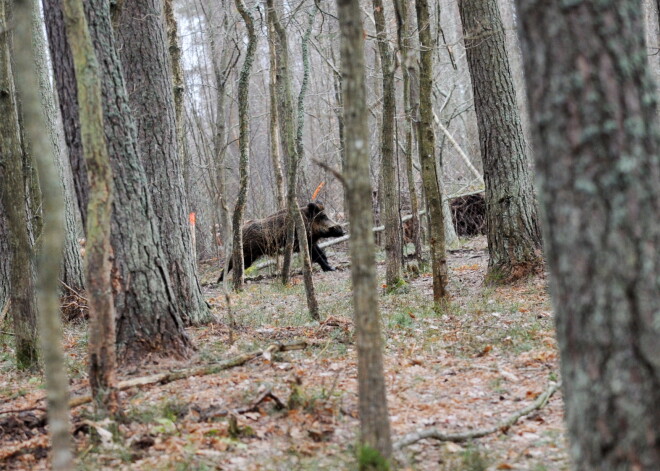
{"x":390,"y":197}
{"x":23,"y":307}
{"x":374,"y":420}
{"x":102,"y":333}
{"x":596,"y":144}
{"x":514,"y":238}
{"x":29,"y":29}
{"x":274,"y":123}
{"x":408,"y":69}
{"x":143,"y":50}
{"x":141,"y":279}
{"x":71,"y":272}
{"x":426,"y":143}
{"x":244,"y":143}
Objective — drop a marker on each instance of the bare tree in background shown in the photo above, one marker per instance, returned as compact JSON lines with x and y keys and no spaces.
{"x":274,"y":123}
{"x":374,"y":420}
{"x":426,"y":142}
{"x":514,"y":239}
{"x":392,"y":221}
{"x":410,"y":105}
{"x":596,"y":143}
{"x":244,"y":142}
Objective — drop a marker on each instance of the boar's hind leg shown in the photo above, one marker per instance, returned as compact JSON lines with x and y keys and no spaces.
{"x":223,"y":271}
{"x":319,"y":256}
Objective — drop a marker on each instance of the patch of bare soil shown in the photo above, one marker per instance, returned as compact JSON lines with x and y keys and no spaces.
{"x":488,"y":355}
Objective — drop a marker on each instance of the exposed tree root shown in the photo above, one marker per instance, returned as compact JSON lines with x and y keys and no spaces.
{"x":436,"y":434}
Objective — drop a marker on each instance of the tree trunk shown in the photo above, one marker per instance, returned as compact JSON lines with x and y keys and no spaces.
{"x":426,"y":143}
{"x":178,"y":86}
{"x":29,"y":29}
{"x":514,"y":240}
{"x":141,"y":281}
{"x":244,"y":142}
{"x":390,"y":196}
{"x":72,"y":272}
{"x":596,"y":146}
{"x":312,"y":303}
{"x":274,"y":123}
{"x":23,"y":305}
{"x":287,"y":119}
{"x":404,"y":38}
{"x":142,"y":46}
{"x":374,"y":420}
{"x":102,"y":334}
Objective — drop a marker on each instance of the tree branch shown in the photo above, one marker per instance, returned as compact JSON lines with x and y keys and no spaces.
{"x":436,"y":434}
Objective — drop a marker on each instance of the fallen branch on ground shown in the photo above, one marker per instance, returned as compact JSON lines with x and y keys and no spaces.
{"x":204,"y":370}
{"x":436,"y":434}
{"x":163,"y":378}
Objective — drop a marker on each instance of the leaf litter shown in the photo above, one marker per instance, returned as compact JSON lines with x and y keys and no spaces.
{"x":488,"y":355}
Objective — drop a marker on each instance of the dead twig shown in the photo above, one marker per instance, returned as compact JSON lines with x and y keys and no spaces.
{"x":436,"y":434}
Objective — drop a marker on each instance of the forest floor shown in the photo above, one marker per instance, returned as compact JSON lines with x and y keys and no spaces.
{"x":488,"y":355}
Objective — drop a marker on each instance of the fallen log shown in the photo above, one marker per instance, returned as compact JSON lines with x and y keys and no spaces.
{"x":436,"y":434}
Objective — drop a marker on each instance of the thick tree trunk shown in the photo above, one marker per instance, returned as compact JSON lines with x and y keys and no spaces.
{"x":142,"y":45}
{"x":390,"y":196}
{"x":148,"y":318}
{"x":102,"y":334}
{"x":514,"y":239}
{"x":596,"y":145}
{"x":426,"y":142}
{"x":374,"y":420}
{"x":23,"y":306}
{"x":65,"y":83}
{"x":29,"y":28}
{"x":244,"y":143}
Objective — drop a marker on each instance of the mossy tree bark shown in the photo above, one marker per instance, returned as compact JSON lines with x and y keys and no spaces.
{"x":29,"y":30}
{"x":426,"y":143}
{"x":374,"y":420}
{"x":23,"y":303}
{"x":244,"y":143}
{"x":596,"y":143}
{"x":102,"y":334}
{"x":392,"y":220}
{"x":149,"y":319}
{"x":143,"y":50}
{"x":514,"y":238}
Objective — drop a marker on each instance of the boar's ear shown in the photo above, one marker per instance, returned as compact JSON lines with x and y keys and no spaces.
{"x":315,"y":208}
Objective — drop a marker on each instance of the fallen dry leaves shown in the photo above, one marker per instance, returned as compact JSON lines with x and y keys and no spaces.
{"x":487,"y":357}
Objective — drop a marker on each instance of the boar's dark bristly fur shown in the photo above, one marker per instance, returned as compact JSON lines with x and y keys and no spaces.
{"x":268,"y":236}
